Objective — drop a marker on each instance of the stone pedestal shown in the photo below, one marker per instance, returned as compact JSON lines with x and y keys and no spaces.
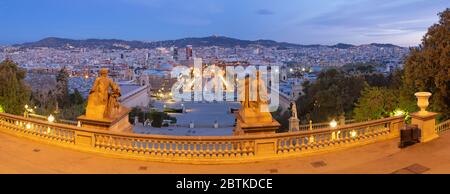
{"x":252,"y":122}
{"x":426,"y":122}
{"x":294,"y":124}
{"x":118,"y":124}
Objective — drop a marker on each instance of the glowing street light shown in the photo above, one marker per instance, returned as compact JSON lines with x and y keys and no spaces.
{"x":353,"y":133}
{"x":51,"y":118}
{"x":333,"y":124}
{"x":399,"y":112}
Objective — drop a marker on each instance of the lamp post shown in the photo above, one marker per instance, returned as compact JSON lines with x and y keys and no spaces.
{"x":51,"y":118}
{"x":27,"y":110}
{"x":333,"y":124}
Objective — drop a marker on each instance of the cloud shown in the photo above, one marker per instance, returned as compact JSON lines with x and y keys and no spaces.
{"x":264,"y":12}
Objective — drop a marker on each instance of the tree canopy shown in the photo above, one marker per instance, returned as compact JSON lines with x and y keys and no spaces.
{"x":334,"y":93}
{"x":375,"y":103}
{"x":14,"y":93}
{"x":427,"y":68}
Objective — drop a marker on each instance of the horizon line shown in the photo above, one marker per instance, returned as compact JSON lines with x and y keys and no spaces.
{"x":214,"y":35}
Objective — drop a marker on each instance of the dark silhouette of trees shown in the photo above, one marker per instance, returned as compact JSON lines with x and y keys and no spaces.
{"x":14,"y":93}
{"x":427,"y":68}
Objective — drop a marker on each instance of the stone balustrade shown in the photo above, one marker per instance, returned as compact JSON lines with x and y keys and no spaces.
{"x":444,"y":126}
{"x":200,"y":149}
{"x":315,"y":126}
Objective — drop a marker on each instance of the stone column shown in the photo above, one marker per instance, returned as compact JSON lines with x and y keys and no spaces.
{"x":423,"y":119}
{"x":341,"y":120}
{"x":294,"y":122}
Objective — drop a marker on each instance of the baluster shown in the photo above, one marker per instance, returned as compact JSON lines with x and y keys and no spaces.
{"x":171,"y":151}
{"x":152,"y":148}
{"x":202,"y":150}
{"x":146,"y":148}
{"x":297,"y":144}
{"x":220,"y":153}
{"x":291,"y":144}
{"x":108,"y":146}
{"x":139,"y":149}
{"x":98,"y":141}
{"x":130,"y":145}
{"x":239,"y":149}
{"x":185,"y":149}
{"x":208,"y":152}
{"x":189,"y":152}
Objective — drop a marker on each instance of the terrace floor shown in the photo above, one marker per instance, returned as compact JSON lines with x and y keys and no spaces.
{"x":19,"y":155}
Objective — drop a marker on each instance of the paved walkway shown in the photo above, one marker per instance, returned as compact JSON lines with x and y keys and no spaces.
{"x":19,"y":155}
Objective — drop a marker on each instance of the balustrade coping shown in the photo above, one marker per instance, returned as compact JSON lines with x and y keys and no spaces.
{"x":206,"y":138}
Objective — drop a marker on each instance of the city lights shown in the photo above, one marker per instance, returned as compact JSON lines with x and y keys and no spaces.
{"x":224,"y":87}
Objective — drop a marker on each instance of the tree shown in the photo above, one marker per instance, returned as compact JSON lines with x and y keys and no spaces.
{"x":375,"y":103}
{"x":76,"y":97}
{"x":62,"y":88}
{"x":333,"y":94}
{"x":14,"y":93}
{"x":427,"y":68}
{"x":282,"y":118}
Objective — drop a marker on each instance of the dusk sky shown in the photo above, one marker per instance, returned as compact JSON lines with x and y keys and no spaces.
{"x":401,"y":22}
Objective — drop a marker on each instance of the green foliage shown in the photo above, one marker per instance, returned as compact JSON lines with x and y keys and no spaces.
{"x":173,"y":110}
{"x":62,"y":89}
{"x":332,"y":94}
{"x":376,"y":103}
{"x":154,"y":116}
{"x":1,"y":109}
{"x":14,"y":93}
{"x":427,"y":68}
{"x":157,"y":119}
{"x":73,"y":111}
{"x":363,"y":68}
{"x":282,"y":118}
{"x":70,"y":105}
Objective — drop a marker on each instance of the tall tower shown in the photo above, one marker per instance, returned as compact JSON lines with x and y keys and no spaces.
{"x":175,"y":53}
{"x":189,"y":53}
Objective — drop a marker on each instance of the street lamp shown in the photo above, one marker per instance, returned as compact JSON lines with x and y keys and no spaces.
{"x":51,"y":118}
{"x":333,"y":124}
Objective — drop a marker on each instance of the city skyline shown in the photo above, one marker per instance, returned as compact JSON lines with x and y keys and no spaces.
{"x":318,"y":22}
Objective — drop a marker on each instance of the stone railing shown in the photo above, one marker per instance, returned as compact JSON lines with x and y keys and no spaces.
{"x":444,"y":126}
{"x":200,"y":149}
{"x":316,"y":126}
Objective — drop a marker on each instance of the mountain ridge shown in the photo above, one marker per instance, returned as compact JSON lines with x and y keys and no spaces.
{"x":221,"y":41}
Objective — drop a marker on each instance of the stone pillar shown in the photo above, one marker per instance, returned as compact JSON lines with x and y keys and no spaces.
{"x":425,"y":120}
{"x":294,"y":124}
{"x":341,"y":120}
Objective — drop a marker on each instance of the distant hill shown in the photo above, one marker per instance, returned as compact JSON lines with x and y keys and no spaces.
{"x":221,"y":41}
{"x":342,"y":46}
{"x":384,"y":45}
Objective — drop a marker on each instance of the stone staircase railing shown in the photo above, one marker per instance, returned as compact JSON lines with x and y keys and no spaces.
{"x":444,"y":126}
{"x":306,"y":127}
{"x":201,"y":149}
